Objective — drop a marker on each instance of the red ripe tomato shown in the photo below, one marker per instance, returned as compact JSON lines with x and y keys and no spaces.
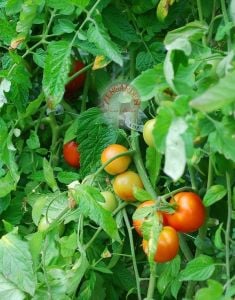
{"x":190,"y":213}
{"x":167,"y":247}
{"x":137,"y":223}
{"x":71,"y":154}
{"x":77,"y":83}
{"x":119,"y":165}
{"x":125,"y":183}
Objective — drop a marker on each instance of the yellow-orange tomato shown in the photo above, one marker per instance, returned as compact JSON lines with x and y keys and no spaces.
{"x":148,"y":132}
{"x":137,"y":223}
{"x":118,"y":165}
{"x":125,"y":183}
{"x":168,"y":245}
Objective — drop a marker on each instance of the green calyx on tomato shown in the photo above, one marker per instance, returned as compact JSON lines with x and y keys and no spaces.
{"x":118,"y":165}
{"x":71,"y":154}
{"x":189,"y":214}
{"x":110,"y":202}
{"x":142,"y":214}
{"x":167,"y":245}
{"x":148,"y":132}
{"x":125,"y":183}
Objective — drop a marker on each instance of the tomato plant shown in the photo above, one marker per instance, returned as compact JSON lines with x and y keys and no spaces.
{"x":125,"y":183}
{"x":189,"y":213}
{"x":120,"y":164}
{"x":148,"y":132}
{"x":167,"y":245}
{"x":156,"y":78}
{"x":71,"y":154}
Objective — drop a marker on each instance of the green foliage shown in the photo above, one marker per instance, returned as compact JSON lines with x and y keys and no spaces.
{"x":178,"y":58}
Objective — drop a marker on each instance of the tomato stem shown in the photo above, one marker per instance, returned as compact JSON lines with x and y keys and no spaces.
{"x":83,"y":70}
{"x":192,"y":177}
{"x":140,"y":166}
{"x":85,"y":91}
{"x":152,"y":281}
{"x":203,"y":230}
{"x":137,"y":277}
{"x":172,"y":193}
{"x":228,"y":228}
{"x":185,"y":248}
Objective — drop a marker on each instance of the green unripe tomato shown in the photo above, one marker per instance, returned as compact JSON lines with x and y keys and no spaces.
{"x":43,"y":225}
{"x":148,"y":132}
{"x":110,"y":201}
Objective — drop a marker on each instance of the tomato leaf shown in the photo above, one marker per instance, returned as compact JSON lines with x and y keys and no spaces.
{"x":57,"y":67}
{"x":192,"y":31}
{"x":66,"y":7}
{"x":16,"y":259}
{"x":33,"y":141}
{"x":9,"y":290}
{"x":217,"y":96}
{"x":29,"y":11}
{"x":7,"y":31}
{"x":93,"y":134}
{"x":118,"y":24}
{"x":7,"y":184}
{"x":175,"y":154}
{"x":214,"y":194}
{"x":13,"y":6}
{"x":98,"y":35}
{"x":149,"y":83}
{"x":20,"y":85}
{"x":222,"y":140}
{"x":141,"y":195}
{"x":169,"y":274}
{"x":163,"y":8}
{"x":198,"y":269}
{"x":218,"y":238}
{"x":232,"y":10}
{"x":213,"y":291}
{"x":49,"y":175}
{"x":87,"y":198}
{"x":164,"y":119}
{"x":153,"y":164}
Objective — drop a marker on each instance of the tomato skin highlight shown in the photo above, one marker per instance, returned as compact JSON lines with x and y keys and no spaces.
{"x":77,"y":83}
{"x":118,"y":165}
{"x":148,"y":132}
{"x":71,"y":154}
{"x":137,"y":223}
{"x":190,"y":212}
{"x":110,"y":201}
{"x":125,"y":183}
{"x":168,"y":245}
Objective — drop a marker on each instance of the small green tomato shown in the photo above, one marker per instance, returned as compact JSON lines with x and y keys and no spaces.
{"x":110,"y":201}
{"x":148,"y":132}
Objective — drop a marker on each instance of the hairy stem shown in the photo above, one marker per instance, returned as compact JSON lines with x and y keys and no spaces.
{"x":137,"y":277}
{"x":228,"y":229}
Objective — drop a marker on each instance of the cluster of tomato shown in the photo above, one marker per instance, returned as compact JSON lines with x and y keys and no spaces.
{"x":189,"y":216}
{"x":189,"y":212}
